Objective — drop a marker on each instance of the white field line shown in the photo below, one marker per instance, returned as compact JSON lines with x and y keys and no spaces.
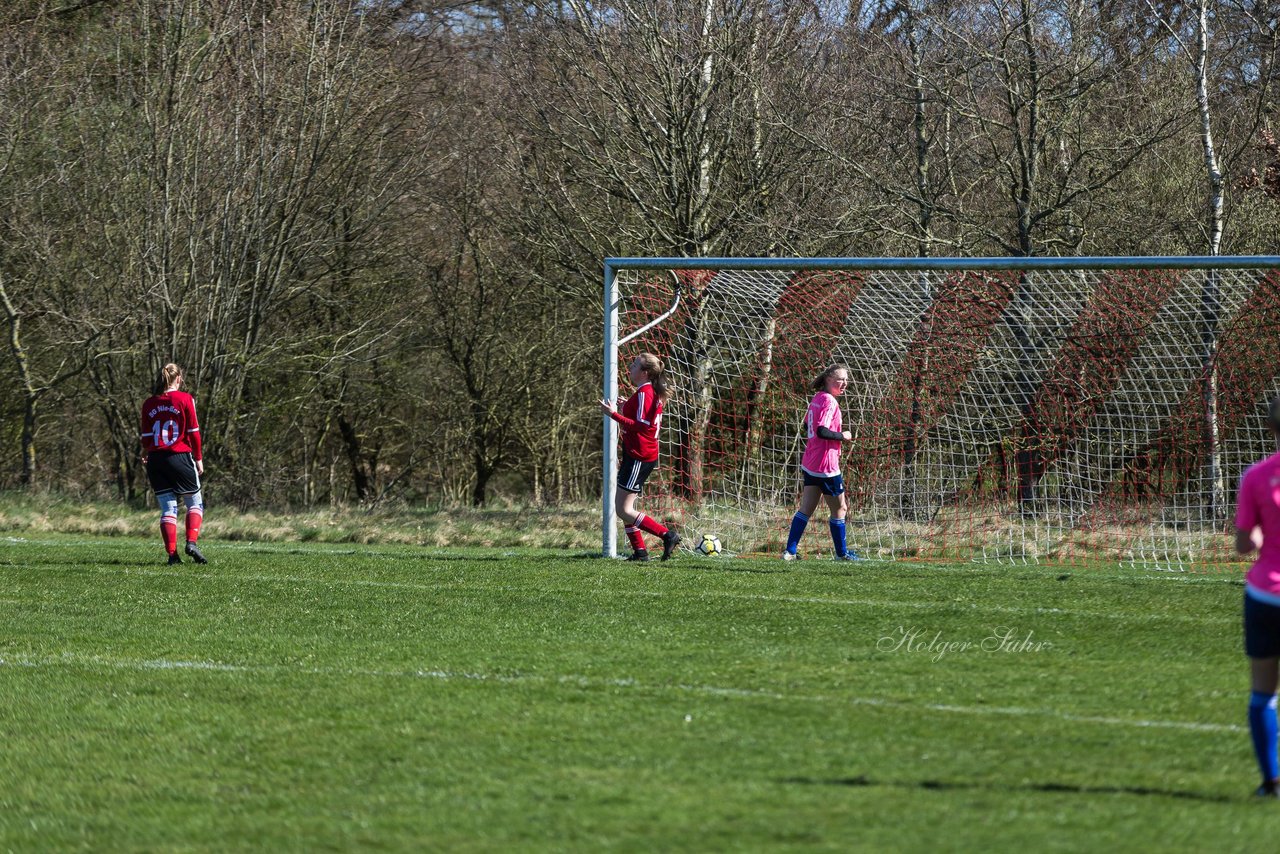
{"x":914,"y":604}
{"x":587,"y":682}
{"x":1173,"y":576}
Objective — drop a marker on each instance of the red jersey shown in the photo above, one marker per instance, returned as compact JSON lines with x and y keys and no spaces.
{"x":169,"y":424}
{"x":640,"y":417}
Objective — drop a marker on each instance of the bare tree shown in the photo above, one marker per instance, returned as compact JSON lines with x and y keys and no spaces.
{"x":650,"y":126}
{"x":1040,"y":89}
{"x":45,"y":354}
{"x":372,"y":232}
{"x":1254,"y":36}
{"x":250,"y":197}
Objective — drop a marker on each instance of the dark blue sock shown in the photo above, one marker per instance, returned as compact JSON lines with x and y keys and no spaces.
{"x":1262,"y":726}
{"x":798,"y":522}
{"x":837,"y":536}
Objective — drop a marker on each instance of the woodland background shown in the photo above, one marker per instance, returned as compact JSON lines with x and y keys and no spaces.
{"x":372,"y":232}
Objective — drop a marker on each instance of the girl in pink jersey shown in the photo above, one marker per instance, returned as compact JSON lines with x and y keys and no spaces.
{"x":640,"y":416}
{"x":820,"y":465}
{"x":1258,"y":527}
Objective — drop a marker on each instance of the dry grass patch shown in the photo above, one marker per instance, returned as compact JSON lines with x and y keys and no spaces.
{"x":502,"y":526}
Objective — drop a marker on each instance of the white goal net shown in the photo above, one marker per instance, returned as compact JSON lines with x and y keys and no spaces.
{"x":1008,"y":410}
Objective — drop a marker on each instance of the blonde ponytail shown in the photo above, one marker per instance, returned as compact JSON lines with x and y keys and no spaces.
{"x":652,"y":365}
{"x":168,"y":374}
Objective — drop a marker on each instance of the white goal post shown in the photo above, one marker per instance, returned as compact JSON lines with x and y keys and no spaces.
{"x":1003,"y":409}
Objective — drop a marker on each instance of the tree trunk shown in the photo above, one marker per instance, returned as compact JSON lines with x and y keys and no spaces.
{"x":759,"y":392}
{"x":691,"y":431}
{"x":1210,"y":299}
{"x":484,"y":472}
{"x":30,"y":394}
{"x":361,"y":475}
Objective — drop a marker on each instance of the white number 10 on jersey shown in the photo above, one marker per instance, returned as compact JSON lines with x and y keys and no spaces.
{"x":164,"y":433}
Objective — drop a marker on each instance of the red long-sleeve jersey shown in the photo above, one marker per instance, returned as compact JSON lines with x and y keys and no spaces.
{"x":640,"y":417}
{"x":169,"y":424}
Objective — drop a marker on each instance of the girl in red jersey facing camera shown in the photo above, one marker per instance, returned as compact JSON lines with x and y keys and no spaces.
{"x":171,"y":453}
{"x":640,"y":418}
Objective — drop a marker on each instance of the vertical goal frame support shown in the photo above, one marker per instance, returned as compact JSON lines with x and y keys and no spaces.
{"x":612,"y":344}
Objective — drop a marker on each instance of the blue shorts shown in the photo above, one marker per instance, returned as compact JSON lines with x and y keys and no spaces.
{"x":1261,"y":628}
{"x":833,"y":485}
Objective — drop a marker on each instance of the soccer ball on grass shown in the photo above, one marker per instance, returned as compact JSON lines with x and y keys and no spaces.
{"x":710,"y":545}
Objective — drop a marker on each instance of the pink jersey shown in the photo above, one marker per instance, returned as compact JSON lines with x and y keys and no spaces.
{"x":169,"y":424}
{"x":822,"y":456}
{"x":640,"y":417}
{"x":1258,"y":504}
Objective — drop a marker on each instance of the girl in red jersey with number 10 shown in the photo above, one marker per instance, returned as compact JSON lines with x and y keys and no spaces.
{"x":171,"y":453}
{"x":640,"y":417}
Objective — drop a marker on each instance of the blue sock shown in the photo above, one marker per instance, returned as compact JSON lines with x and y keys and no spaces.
{"x":837,"y":536}
{"x":1262,"y":726}
{"x":798,"y":522}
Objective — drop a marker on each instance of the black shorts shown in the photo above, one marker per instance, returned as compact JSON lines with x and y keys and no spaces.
{"x":170,"y":472}
{"x":1261,"y":628}
{"x":633,"y":473}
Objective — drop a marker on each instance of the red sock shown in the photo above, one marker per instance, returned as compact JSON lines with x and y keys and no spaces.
{"x":194,"y":518}
{"x":169,"y":533}
{"x":650,"y":525}
{"x":636,"y":539}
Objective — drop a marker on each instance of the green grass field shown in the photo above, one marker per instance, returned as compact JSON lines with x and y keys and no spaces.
{"x":337,"y":697}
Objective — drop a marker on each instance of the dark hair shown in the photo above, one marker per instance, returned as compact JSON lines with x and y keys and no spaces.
{"x":820,"y":381}
{"x":165,"y":378}
{"x":1273,"y":415}
{"x":652,"y":365}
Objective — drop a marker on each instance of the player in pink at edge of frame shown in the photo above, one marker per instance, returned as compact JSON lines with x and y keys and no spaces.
{"x":171,"y":453}
{"x":640,"y":418}
{"x":1258,"y":527}
{"x":820,"y":465}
